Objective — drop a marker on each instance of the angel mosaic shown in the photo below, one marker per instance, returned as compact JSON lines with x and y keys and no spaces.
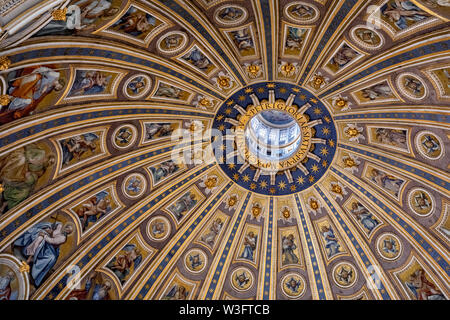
{"x":136,"y":23}
{"x":158,"y":228}
{"x":90,"y":82}
{"x":378,"y":91}
{"x":199,"y":60}
{"x":241,"y":279}
{"x":79,"y":147}
{"x":430,"y":145}
{"x":369,"y":37}
{"x":157,"y":130}
{"x":421,"y":202}
{"x":137,"y":86}
{"x":345,"y":275}
{"x":389,"y":246}
{"x":177,"y":292}
{"x":302,"y":12}
{"x":403,"y":13}
{"x":294,"y":285}
{"x":134,"y":185}
{"x":195,"y":261}
{"x":243,"y":40}
{"x":125,"y":262}
{"x":414,"y":86}
{"x":124,"y":136}
{"x":168,"y":91}
{"x":230,"y":13}
{"x":295,"y":40}
{"x":172,"y":41}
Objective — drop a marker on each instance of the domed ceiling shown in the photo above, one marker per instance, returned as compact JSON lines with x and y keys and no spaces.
{"x":129,"y":148}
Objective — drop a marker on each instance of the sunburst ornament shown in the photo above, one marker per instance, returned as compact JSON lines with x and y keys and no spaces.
{"x":338,"y":190}
{"x":341,"y":103}
{"x":285,"y":214}
{"x":350,"y":163}
{"x":288,"y":69}
{"x":210,"y":183}
{"x":256,"y":211}
{"x":325,"y":131}
{"x":313,"y":205}
{"x":203,"y":102}
{"x":231,"y":202}
{"x":318,"y":81}
{"x":223,"y":81}
{"x":354,"y":133}
{"x":311,"y":156}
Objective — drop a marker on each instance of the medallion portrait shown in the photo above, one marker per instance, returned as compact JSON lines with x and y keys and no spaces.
{"x":242,"y":279}
{"x":124,"y":136}
{"x":429,"y":145}
{"x":195,"y":260}
{"x":293,"y":285}
{"x":158,"y":228}
{"x":389,"y":246}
